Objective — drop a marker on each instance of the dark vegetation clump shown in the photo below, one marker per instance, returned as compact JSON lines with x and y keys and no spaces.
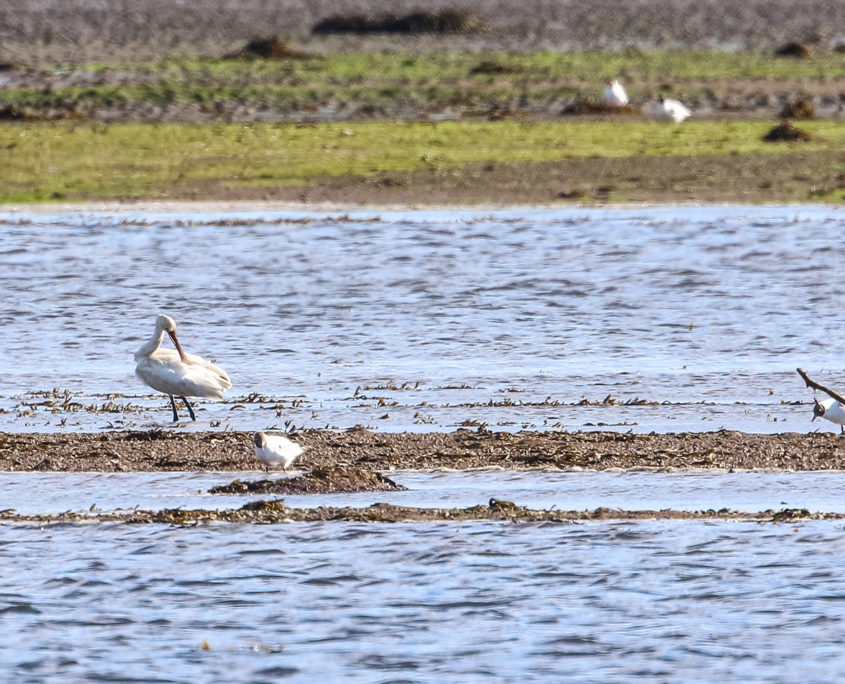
{"x":435,"y":21}
{"x":321,"y":480}
{"x":800,"y":109}
{"x":786,"y":131}
{"x":271,"y":47}
{"x":588,"y":107}
{"x":796,"y":50}
{"x":492,"y":66}
{"x":10,"y":113}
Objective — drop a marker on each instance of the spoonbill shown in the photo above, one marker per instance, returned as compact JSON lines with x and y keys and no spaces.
{"x":176,"y":373}
{"x":615,"y":95}
{"x":671,"y":109}
{"x":276,"y":450}
{"x":831,"y":410}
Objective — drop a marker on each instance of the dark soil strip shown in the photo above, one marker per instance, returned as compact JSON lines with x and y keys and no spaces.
{"x":461,"y":450}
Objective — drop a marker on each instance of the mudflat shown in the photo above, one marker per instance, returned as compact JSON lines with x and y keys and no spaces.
{"x":165,"y":450}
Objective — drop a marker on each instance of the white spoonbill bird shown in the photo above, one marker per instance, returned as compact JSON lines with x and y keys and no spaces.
{"x":615,"y":95}
{"x":276,"y":450}
{"x":831,"y":410}
{"x":176,"y":373}
{"x":671,"y":109}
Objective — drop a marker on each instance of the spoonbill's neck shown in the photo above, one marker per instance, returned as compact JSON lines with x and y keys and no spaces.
{"x":151,"y":344}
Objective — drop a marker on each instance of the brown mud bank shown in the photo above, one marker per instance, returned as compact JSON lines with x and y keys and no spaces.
{"x":270,"y":512}
{"x":777,"y":177}
{"x":333,"y":480}
{"x":165,"y":450}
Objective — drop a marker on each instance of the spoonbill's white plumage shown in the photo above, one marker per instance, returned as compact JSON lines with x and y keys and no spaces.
{"x":831,"y":410}
{"x":671,"y":109}
{"x":176,"y":373}
{"x":272,"y":450}
{"x":615,"y":95}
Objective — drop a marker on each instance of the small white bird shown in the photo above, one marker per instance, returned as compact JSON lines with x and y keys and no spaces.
{"x":831,"y":410}
{"x":176,"y":373}
{"x":671,"y":109}
{"x":615,"y":95}
{"x":274,"y":450}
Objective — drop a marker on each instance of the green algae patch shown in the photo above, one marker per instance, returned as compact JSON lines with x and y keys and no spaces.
{"x":71,"y":161}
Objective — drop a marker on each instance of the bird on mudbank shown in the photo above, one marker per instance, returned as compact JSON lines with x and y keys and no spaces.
{"x":274,"y":450}
{"x":176,"y":373}
{"x":671,"y":109}
{"x":615,"y":95}
{"x":831,"y":410}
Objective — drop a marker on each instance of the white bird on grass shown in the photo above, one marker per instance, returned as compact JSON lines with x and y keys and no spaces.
{"x":176,"y":373}
{"x":671,"y":109}
{"x":274,"y":450}
{"x":615,"y":95}
{"x":831,"y":410}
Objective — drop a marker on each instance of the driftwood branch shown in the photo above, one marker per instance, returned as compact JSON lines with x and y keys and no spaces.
{"x":815,"y":385}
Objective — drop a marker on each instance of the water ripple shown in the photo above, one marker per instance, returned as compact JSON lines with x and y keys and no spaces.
{"x":551,"y":302}
{"x":601,"y":601}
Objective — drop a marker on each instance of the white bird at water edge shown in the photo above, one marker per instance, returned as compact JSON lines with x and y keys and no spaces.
{"x":176,"y":373}
{"x":276,"y":450}
{"x":831,"y":410}
{"x":615,"y":95}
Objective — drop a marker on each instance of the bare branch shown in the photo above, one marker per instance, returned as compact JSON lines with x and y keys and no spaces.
{"x":815,"y":385}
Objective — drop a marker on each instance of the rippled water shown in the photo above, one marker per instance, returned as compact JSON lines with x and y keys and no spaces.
{"x":660,"y":601}
{"x":429,"y":319}
{"x":426,"y":320}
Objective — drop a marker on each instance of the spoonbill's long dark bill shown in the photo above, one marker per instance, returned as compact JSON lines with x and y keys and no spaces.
{"x":176,"y":373}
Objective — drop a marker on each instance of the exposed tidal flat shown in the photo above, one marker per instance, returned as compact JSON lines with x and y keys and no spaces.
{"x":605,"y":465}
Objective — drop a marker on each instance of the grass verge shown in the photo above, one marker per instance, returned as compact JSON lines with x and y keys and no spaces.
{"x":67,"y":161}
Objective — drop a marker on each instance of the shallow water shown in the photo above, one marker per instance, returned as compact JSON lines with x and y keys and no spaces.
{"x":426,"y":320}
{"x":686,"y":491}
{"x":660,"y":601}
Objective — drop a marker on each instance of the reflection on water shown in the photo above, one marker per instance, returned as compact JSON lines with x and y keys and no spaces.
{"x":655,"y":601}
{"x":426,"y":320}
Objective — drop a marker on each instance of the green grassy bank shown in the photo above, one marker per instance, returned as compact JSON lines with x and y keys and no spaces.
{"x":67,"y":161}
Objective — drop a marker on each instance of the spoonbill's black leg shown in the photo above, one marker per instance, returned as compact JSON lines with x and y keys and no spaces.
{"x":173,"y":404}
{"x":190,"y":410}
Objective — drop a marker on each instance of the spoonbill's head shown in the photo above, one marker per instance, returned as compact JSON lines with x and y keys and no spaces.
{"x":166,"y":323}
{"x":818,"y":410}
{"x":260,"y":439}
